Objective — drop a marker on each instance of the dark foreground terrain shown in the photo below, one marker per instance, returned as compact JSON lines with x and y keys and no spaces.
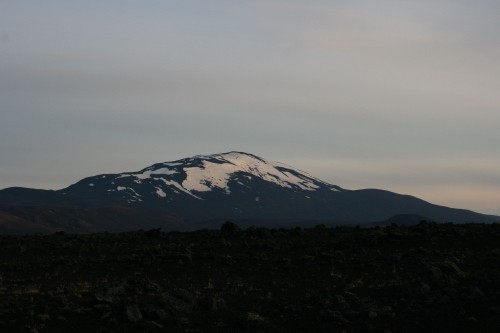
{"x":425,"y":278}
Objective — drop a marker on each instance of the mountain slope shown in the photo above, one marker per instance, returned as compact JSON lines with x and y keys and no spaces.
{"x":200,"y":177}
{"x":235,"y":185}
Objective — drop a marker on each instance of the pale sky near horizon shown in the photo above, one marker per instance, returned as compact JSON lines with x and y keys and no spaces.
{"x":400,"y":95}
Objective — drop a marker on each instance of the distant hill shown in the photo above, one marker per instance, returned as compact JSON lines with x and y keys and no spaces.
{"x":194,"y":192}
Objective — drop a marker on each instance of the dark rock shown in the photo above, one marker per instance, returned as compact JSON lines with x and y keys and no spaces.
{"x":425,"y":289}
{"x":451,"y":268}
{"x":495,"y":310}
{"x":154,"y":325}
{"x":184,"y":322}
{"x":212,"y":303}
{"x":133,"y":313}
{"x":178,"y":303}
{"x":473,"y":294}
{"x":230,"y":228}
{"x":434,"y":273}
{"x":336,"y":317}
{"x":155,"y":313}
{"x":255,"y":317}
{"x":184,"y":295}
{"x":153,"y":233}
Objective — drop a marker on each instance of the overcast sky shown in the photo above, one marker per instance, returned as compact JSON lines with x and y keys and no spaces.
{"x":402,"y":95}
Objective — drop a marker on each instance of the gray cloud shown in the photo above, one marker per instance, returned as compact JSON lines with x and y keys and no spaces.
{"x":395,"y":94}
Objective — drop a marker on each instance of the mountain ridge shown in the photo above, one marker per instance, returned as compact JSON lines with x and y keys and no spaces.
{"x":234,"y":185}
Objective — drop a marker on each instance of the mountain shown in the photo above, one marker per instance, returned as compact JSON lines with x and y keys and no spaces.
{"x":202,"y":190}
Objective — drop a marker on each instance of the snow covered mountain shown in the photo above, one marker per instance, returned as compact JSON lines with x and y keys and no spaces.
{"x":201,"y":177}
{"x":187,"y":193}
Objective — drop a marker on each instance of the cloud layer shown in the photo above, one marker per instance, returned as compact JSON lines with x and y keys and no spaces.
{"x":401,"y":95}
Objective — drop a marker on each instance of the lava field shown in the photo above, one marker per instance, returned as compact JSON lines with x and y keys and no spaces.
{"x":424,"y":278}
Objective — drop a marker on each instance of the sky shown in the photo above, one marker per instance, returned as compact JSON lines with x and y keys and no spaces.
{"x":401,"y":95}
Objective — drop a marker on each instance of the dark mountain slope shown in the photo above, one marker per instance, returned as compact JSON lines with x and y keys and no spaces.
{"x":185,"y":193}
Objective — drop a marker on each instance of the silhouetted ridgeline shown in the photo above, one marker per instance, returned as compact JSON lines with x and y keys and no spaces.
{"x":196,"y":192}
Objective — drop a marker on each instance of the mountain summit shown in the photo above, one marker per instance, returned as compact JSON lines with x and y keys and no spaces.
{"x":201,"y":177}
{"x":191,"y":192}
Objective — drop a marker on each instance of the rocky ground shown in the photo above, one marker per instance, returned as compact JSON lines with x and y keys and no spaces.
{"x":425,"y":278}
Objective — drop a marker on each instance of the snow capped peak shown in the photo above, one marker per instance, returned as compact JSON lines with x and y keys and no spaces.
{"x":231,"y":154}
{"x":231,"y":172}
{"x":216,"y":170}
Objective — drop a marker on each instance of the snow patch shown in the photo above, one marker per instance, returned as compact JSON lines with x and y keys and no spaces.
{"x":135,"y":193}
{"x":177,"y":186}
{"x":162,"y":171}
{"x":160,"y":192}
{"x":121,"y":188}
